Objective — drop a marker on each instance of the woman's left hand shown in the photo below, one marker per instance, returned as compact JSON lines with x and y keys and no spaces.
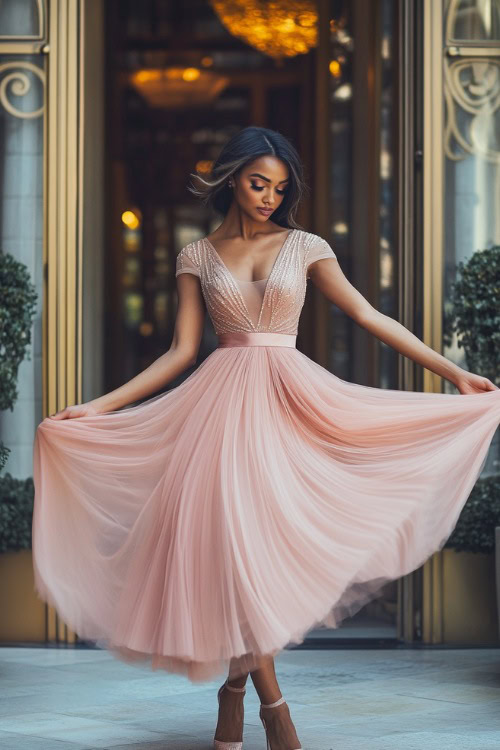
{"x":468,"y":383}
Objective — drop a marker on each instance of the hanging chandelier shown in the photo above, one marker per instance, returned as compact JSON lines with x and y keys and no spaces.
{"x":178,"y":87}
{"x":278,"y":29}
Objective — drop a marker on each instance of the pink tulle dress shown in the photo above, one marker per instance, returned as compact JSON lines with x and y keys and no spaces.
{"x":263,"y":496}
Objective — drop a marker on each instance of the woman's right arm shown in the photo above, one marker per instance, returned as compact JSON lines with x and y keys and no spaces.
{"x":181,"y":355}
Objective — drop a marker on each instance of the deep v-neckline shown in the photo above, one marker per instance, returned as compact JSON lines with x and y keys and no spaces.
{"x":234,"y":280}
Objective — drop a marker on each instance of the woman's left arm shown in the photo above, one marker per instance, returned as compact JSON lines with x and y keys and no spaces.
{"x":327,"y":275}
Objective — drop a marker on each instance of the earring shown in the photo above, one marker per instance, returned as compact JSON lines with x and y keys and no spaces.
{"x":230,"y":183}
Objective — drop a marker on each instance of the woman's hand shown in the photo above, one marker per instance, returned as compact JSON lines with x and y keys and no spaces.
{"x":468,"y":383}
{"x":78,"y":410}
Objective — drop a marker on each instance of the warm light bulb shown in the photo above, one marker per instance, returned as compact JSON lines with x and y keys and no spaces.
{"x":130,"y":219}
{"x":204,"y":166}
{"x":145,"y":76}
{"x":335,"y":68}
{"x":146,"y":328}
{"x":191,"y":74}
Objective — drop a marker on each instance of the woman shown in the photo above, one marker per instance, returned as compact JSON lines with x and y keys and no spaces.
{"x":215,"y":523}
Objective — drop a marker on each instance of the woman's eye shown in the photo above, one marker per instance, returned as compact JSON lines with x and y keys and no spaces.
{"x":259,"y":187}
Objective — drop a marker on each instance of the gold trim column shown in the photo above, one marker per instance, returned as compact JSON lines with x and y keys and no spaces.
{"x":409,"y":606}
{"x":62,"y":384}
{"x":433,"y":200}
{"x":62,"y":314}
{"x":321,"y":209}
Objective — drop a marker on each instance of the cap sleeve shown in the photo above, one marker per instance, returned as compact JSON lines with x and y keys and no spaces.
{"x":319,"y":250}
{"x":186,"y":263}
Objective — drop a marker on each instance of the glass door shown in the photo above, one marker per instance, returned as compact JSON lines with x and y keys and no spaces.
{"x":370,"y":106}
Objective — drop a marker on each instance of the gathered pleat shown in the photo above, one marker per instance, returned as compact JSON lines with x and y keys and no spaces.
{"x":263,"y":496}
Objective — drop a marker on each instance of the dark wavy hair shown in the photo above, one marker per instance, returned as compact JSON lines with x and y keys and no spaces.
{"x":243,"y":147}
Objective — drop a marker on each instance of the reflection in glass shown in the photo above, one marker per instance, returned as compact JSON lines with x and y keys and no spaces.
{"x":471,"y":162}
{"x":341,"y":129}
{"x":21,"y":233}
{"x":388,"y":291}
{"x":472,"y":20}
{"x":378,"y":618}
{"x":20,"y":18}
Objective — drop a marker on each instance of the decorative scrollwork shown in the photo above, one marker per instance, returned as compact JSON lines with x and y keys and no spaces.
{"x":472,"y":85}
{"x":18,"y":82}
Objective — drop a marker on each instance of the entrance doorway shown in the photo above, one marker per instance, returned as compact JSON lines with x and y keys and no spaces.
{"x":181,"y":78}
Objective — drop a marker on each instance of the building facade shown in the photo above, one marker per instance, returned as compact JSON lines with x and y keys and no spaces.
{"x":394,"y":107}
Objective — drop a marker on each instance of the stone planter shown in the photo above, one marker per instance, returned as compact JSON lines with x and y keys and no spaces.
{"x":469,"y":609}
{"x":22,"y":613}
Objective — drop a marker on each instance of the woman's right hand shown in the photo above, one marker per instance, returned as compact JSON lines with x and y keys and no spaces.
{"x":78,"y":410}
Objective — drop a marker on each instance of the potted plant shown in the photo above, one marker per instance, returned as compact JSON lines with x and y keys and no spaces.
{"x":16,"y":513}
{"x":475,"y":318}
{"x":17,"y":306}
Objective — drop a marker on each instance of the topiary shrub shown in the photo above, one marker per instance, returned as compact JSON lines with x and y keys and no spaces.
{"x":475,"y":314}
{"x":16,"y":513}
{"x":475,"y":530}
{"x":17,"y":306}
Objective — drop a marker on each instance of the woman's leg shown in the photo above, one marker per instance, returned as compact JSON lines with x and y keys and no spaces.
{"x":237,"y":682}
{"x":231,"y":712}
{"x":265,"y":681}
{"x":279,"y":724}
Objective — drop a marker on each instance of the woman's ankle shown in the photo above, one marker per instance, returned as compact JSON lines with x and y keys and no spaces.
{"x":237,"y":682}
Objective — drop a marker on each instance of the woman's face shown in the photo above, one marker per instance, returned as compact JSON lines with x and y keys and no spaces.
{"x":260,"y":186}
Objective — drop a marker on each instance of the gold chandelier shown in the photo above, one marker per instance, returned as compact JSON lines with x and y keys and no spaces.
{"x":279,"y":29}
{"x":178,"y":87}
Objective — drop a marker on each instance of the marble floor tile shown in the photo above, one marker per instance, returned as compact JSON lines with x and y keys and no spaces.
{"x":341,"y":699}
{"x":15,"y":741}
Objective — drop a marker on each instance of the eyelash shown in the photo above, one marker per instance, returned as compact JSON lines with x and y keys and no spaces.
{"x":256,"y":187}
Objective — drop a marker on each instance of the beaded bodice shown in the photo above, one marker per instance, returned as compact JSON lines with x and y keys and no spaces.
{"x":271,"y":305}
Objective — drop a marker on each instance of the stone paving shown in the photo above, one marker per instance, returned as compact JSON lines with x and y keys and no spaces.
{"x":340,"y":699}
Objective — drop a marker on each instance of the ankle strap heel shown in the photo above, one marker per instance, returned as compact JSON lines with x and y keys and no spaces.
{"x":227,"y":686}
{"x":234,"y":689}
{"x":220,"y":744}
{"x":270,"y":705}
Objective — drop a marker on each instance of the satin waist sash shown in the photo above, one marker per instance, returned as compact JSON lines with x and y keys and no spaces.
{"x":250,"y":338}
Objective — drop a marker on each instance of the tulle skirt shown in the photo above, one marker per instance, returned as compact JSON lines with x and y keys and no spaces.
{"x":220,"y":521}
